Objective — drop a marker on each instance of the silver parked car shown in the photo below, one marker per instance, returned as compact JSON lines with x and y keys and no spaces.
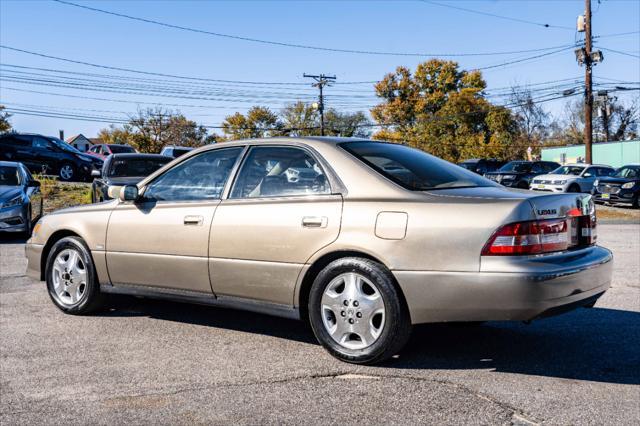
{"x":571,"y":178}
{"x":381,"y":237}
{"x":20,"y":198}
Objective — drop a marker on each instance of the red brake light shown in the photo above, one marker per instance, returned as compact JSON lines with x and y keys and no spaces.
{"x":541,"y":236}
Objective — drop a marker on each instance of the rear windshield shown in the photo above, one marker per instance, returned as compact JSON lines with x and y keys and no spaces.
{"x":568,"y":170}
{"x":411,"y":168}
{"x":469,"y":165}
{"x":516,"y":166}
{"x":9,"y":176}
{"x":177,"y":152}
{"x":121,"y":149}
{"x":135,"y":166}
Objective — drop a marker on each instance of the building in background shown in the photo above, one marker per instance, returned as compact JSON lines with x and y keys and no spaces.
{"x":615,"y":154}
{"x":80,"y":142}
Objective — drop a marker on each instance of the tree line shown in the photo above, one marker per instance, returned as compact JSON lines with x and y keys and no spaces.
{"x":438,"y":107}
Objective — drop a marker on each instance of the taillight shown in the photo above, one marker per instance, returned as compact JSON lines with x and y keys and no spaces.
{"x":541,"y":236}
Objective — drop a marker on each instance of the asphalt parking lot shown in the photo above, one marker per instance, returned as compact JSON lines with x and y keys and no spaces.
{"x":156,"y":362}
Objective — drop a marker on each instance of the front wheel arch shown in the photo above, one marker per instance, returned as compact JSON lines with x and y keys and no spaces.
{"x":53,"y":239}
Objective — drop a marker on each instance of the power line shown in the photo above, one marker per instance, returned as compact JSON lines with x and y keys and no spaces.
{"x":619,"y":52}
{"x":494,"y":15}
{"x":295,"y":45}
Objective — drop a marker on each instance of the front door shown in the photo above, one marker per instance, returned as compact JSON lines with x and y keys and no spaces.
{"x":162,"y":240}
{"x":280,"y":211}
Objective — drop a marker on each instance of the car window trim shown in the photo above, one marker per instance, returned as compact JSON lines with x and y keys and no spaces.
{"x":164,"y":202}
{"x":277,"y":197}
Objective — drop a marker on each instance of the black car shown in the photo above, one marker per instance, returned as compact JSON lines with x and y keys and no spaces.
{"x":518,"y":174}
{"x":175,"y":151}
{"x":20,"y":198}
{"x":124,"y":169}
{"x":48,"y":155}
{"x":623,"y":187}
{"x":481,"y":165}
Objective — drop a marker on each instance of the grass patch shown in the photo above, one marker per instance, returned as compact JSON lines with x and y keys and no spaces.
{"x":59,"y":195}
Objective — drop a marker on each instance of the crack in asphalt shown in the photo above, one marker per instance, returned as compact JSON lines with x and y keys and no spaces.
{"x":517,"y":415}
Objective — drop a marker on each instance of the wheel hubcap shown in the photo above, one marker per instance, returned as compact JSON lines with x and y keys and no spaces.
{"x":69,"y":277}
{"x":66,"y":172}
{"x":353,"y":311}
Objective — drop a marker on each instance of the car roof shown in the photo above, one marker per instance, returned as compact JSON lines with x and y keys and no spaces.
{"x":586,"y":165}
{"x":137,"y":155}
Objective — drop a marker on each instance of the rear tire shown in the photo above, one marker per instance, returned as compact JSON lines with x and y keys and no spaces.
{"x":67,"y":172}
{"x":357,"y":313}
{"x":71,"y":277}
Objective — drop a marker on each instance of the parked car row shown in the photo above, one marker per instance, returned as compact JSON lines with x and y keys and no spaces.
{"x":605,"y":183}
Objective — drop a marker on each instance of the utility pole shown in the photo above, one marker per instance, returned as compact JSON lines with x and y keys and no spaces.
{"x":588,"y":101}
{"x":320,"y":81}
{"x":585,"y":55}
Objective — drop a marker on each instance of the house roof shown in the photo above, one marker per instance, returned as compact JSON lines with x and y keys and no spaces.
{"x":72,"y":139}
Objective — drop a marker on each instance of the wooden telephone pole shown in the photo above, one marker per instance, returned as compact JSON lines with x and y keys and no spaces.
{"x":588,"y":95}
{"x":321,"y":81}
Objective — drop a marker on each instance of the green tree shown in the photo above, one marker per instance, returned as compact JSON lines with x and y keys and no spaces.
{"x":259,"y":122}
{"x":300,"y":119}
{"x":5,"y":125}
{"x":442,"y":110}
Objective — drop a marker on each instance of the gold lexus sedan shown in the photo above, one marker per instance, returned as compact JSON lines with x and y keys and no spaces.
{"x":362,"y":238}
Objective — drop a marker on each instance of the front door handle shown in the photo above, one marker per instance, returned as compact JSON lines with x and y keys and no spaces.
{"x":314,"y":221}
{"x":193,"y":220}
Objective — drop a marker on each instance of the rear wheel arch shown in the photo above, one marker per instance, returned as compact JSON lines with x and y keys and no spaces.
{"x":322,"y":262}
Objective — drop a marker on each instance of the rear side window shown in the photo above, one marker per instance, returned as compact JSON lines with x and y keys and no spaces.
{"x":201,"y":177}
{"x":123,"y":167}
{"x":279,"y":172}
{"x":411,"y":168}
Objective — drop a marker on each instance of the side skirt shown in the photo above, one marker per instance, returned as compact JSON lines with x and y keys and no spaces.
{"x":198,"y":298}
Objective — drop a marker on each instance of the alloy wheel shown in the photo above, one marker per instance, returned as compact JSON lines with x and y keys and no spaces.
{"x":69,"y":276}
{"x":66,"y":172}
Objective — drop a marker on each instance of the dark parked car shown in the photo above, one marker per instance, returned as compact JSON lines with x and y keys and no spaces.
{"x":175,"y":151}
{"x":518,"y":174}
{"x":49,"y":155}
{"x":104,"y":150}
{"x":623,"y":187}
{"x":124,"y":169}
{"x":20,"y":198}
{"x":481,"y":165}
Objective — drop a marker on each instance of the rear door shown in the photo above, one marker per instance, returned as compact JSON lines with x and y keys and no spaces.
{"x":279,"y":212}
{"x":163,"y":239}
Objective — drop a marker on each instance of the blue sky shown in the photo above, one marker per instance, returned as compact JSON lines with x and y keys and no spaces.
{"x":395,"y":26}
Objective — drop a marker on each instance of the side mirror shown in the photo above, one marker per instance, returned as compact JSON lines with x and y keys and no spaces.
{"x":587,"y":175}
{"x":128,"y":193}
{"x":95,"y":173}
{"x":34,"y":184}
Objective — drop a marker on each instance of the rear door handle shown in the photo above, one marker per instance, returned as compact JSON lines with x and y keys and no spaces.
{"x":314,"y":221}
{"x":193,"y":220}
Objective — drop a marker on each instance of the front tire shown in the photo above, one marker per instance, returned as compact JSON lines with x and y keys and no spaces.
{"x":357,"y":313}
{"x":573,"y":188}
{"x":71,"y":278}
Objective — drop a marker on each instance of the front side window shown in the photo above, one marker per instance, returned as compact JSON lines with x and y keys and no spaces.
{"x":411,"y":168}
{"x":41,"y":143}
{"x":202,"y":177}
{"x":279,"y":172}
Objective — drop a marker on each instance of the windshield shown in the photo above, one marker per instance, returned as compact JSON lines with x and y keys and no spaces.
{"x":568,"y":170}
{"x":9,"y":176}
{"x":628,"y":172}
{"x":411,"y":168}
{"x":469,"y":165}
{"x":121,"y":149}
{"x":126,"y":167}
{"x":64,"y":146}
{"x":516,"y":166}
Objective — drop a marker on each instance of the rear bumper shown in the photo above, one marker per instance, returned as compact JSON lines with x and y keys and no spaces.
{"x":33,"y":253}
{"x":514,"y":288}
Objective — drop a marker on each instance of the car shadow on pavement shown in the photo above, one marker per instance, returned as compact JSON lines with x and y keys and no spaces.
{"x":218,"y":317}
{"x":597,"y":344}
